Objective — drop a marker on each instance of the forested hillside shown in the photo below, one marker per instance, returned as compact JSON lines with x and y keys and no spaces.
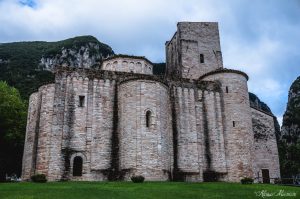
{"x":289,"y":144}
{"x":27,"y":65}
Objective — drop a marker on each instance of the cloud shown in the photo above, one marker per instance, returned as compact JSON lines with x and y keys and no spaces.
{"x":261,"y":38}
{"x":279,"y":119}
{"x":30,"y":3}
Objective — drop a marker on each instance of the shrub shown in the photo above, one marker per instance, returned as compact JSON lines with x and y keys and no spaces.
{"x":39,"y":178}
{"x":247,"y":180}
{"x":287,"y":181}
{"x":137,"y":179}
{"x":277,"y":181}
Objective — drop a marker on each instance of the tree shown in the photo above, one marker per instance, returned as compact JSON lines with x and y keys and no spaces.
{"x":13,"y":114}
{"x":289,"y":154}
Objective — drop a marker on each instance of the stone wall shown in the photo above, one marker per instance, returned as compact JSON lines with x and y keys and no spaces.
{"x":128,"y":64}
{"x":88,"y":125}
{"x":45,"y":125}
{"x":36,"y":149}
{"x":189,"y":157}
{"x":102,"y":123}
{"x":192,"y":40}
{"x":214,"y":131}
{"x":60,"y":128}
{"x":58,"y":167}
{"x":187,"y":144}
{"x":29,"y":156}
{"x":199,"y":126}
{"x":172,"y":57}
{"x":145,"y":150}
{"x":265,"y":145}
{"x":237,"y":124}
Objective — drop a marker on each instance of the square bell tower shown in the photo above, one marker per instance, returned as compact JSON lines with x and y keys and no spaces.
{"x":194,"y":50}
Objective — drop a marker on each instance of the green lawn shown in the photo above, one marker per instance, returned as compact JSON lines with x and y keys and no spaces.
{"x":128,"y":190}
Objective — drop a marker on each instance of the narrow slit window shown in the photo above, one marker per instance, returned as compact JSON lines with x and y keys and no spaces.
{"x":148,"y":119}
{"x":201,"y":58}
{"x":81,"y":101}
{"x":233,"y":123}
{"x":227,"y":89}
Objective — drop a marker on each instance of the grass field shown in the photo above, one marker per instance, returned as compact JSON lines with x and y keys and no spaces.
{"x":151,"y":190}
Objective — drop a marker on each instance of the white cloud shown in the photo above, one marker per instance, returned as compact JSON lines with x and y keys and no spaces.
{"x":268,"y":86}
{"x":279,"y":119}
{"x":253,"y":58}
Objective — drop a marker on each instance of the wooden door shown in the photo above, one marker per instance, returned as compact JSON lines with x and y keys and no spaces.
{"x":265,"y":176}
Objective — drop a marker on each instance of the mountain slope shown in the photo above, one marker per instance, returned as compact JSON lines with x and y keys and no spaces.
{"x":257,"y":103}
{"x":78,"y":52}
{"x":289,"y":144}
{"x":27,"y":65}
{"x":291,"y":118}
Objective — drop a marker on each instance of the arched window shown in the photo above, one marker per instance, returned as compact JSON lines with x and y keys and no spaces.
{"x":125,"y":65}
{"x":107,"y":66}
{"x":77,"y":166}
{"x":131,"y":66}
{"x":148,"y":119}
{"x":115,"y":65}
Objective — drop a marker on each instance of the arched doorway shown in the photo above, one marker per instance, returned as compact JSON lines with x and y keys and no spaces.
{"x":77,"y":166}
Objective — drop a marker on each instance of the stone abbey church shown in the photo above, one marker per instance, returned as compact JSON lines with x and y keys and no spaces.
{"x":195,"y":123}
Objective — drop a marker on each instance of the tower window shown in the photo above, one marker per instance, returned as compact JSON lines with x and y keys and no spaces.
{"x":226,"y":89}
{"x":148,"y":119}
{"x":233,"y":123}
{"x":77,"y":166}
{"x":201,"y":58}
{"x":81,"y":101}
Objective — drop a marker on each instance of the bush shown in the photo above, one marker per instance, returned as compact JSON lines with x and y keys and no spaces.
{"x":287,"y":181}
{"x":39,"y":178}
{"x":137,"y":179}
{"x":247,"y":181}
{"x":277,"y":181}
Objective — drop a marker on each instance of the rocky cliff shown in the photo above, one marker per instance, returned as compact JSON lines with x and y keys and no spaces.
{"x":289,"y":143}
{"x":27,"y":65}
{"x":258,"y":104}
{"x":78,"y":52}
{"x":291,"y":119}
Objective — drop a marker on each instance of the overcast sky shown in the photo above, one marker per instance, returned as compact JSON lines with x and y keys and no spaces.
{"x":259,"y":37}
